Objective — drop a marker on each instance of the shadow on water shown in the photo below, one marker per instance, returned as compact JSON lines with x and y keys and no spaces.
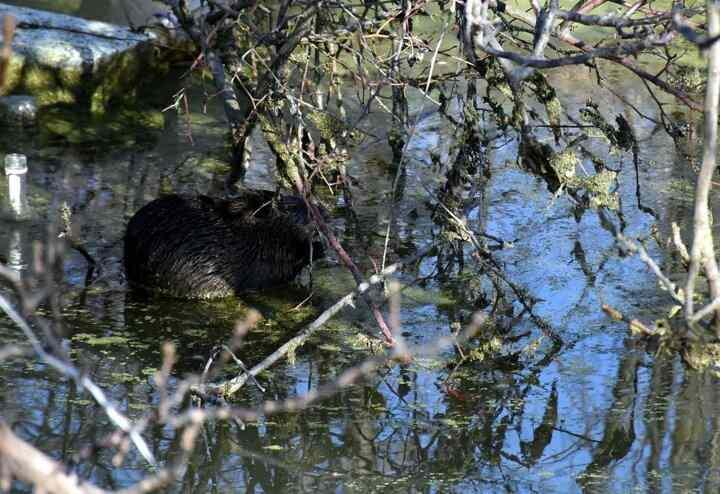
{"x":601,"y":414}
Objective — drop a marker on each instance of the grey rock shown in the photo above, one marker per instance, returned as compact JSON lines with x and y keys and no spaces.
{"x":62,"y":41}
{"x":65,"y":60}
{"x":18,"y":110}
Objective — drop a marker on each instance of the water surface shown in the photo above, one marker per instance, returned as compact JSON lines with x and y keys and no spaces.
{"x":601,"y":413}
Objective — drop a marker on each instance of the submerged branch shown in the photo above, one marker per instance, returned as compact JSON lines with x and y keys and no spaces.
{"x":229,"y":388}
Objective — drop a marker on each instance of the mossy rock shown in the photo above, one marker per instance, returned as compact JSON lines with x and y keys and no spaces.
{"x":92,"y":65}
{"x":122,"y":127}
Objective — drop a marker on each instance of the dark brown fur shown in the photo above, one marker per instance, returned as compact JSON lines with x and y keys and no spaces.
{"x":201,"y":247}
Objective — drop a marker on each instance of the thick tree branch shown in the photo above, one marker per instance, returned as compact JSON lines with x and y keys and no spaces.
{"x":702,"y":252}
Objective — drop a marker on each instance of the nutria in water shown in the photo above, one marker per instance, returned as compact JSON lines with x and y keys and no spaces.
{"x":202,"y":247}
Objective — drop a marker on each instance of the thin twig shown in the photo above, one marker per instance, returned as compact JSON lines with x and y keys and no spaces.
{"x":115,"y":416}
{"x":232,"y":386}
{"x":639,"y":249}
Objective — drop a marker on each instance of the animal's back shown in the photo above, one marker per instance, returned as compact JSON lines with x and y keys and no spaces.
{"x":200,"y":247}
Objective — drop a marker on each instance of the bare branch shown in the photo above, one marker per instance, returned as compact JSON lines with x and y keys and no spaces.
{"x":8,"y":33}
{"x":23,"y":461}
{"x":65,"y":368}
{"x":232,"y":386}
{"x":702,"y":253}
{"x":645,"y":257}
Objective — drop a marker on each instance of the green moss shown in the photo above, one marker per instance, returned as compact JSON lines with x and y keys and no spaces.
{"x":554,"y":111}
{"x":427,"y":297}
{"x":38,"y":80}
{"x":71,"y":78}
{"x":288,"y":167}
{"x":333,"y":128}
{"x":621,"y":138}
{"x":599,"y":187}
{"x":565,"y":164}
{"x":547,"y":96}
{"x":689,"y":78}
{"x":124,"y":377}
{"x":56,"y":124}
{"x":504,"y":89}
{"x":703,"y":356}
{"x":147,"y":119}
{"x":429,"y":363}
{"x":291,"y":355}
{"x":95,"y":340}
{"x":118,"y":81}
{"x":117,"y":128}
{"x":54,"y":97}
{"x":328,"y":347}
{"x":80,"y":402}
{"x":167,"y":187}
{"x":361,"y":341}
{"x":591,"y":114}
{"x":214,"y":166}
{"x":13,"y":74}
{"x":63,"y":6}
{"x":99,"y":101}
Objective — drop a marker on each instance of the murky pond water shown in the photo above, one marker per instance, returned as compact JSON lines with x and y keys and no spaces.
{"x":133,"y":12}
{"x":599,"y":413}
